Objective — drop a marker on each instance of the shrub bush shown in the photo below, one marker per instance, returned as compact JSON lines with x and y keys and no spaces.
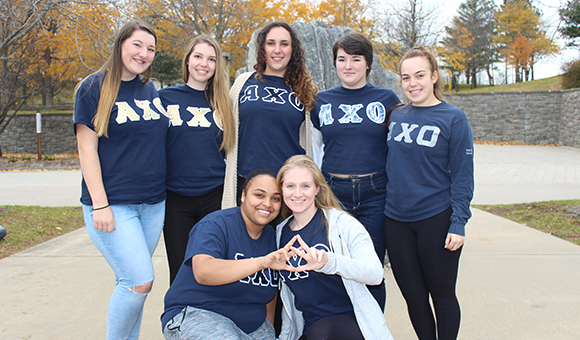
{"x":571,"y":76}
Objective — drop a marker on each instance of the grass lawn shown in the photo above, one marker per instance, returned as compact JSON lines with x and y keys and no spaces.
{"x":552,"y":83}
{"x":558,"y":218}
{"x":28,"y":226}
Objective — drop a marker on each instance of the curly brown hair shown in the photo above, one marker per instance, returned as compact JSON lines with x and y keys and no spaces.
{"x":297,"y":75}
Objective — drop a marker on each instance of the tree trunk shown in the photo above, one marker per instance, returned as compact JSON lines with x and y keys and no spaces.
{"x":506,"y":71}
{"x":490,"y":76}
{"x":48,"y":97}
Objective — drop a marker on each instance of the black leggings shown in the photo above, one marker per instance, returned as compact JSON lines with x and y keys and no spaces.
{"x":338,"y":327}
{"x":423,"y":267}
{"x":181,"y":214}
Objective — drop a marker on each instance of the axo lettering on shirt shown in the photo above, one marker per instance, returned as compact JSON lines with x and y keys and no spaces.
{"x":427,"y":135}
{"x":265,"y":277}
{"x":198,"y":118}
{"x":374,"y":111}
{"x":125,"y":112}
{"x":272,"y":95}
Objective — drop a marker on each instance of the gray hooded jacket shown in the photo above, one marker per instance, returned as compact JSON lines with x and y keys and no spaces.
{"x":353,"y":258}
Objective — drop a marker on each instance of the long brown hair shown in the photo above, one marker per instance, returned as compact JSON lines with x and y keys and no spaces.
{"x":217,"y":91}
{"x":113,"y":70}
{"x":420,"y":51}
{"x":296,"y":75}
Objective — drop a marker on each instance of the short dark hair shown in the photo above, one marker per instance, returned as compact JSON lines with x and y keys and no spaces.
{"x":357,"y":44}
{"x":255,"y":174}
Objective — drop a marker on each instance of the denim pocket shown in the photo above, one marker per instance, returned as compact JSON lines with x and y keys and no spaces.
{"x":379,"y":184}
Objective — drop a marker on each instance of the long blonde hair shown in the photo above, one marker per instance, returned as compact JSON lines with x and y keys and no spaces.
{"x":325,"y":199}
{"x":113,"y":70}
{"x":217,"y":90}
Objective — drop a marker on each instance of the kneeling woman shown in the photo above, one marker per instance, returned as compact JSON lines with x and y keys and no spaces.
{"x":326,"y":296}
{"x":226,"y":287}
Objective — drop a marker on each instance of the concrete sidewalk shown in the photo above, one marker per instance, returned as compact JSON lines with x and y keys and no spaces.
{"x":514,"y":282}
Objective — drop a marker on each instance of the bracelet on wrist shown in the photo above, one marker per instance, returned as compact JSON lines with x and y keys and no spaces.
{"x":101,"y":208}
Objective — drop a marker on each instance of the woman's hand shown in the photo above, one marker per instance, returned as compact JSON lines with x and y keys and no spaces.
{"x":278,"y":259}
{"x":315,"y":259}
{"x":454,"y":241}
{"x":104,"y":220}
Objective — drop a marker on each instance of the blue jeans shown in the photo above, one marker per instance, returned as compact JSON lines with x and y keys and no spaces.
{"x":128,"y":250}
{"x":364,"y":197}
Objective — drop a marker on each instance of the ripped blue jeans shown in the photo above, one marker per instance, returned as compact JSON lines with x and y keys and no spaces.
{"x":128,"y":250}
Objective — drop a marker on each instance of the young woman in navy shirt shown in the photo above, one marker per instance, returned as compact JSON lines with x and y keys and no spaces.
{"x":201,"y":131}
{"x":121,"y":133}
{"x":271,"y":107}
{"x":326,"y":297}
{"x":351,"y":118}
{"x":429,"y":189}
{"x":226,"y":287}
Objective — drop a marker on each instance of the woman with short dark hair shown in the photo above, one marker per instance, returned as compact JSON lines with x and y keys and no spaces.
{"x":351,"y":118}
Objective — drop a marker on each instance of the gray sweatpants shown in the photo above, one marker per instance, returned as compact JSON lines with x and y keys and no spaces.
{"x":200,"y":324}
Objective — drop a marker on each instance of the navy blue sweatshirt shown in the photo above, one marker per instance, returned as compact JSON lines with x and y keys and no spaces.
{"x":429,"y":164}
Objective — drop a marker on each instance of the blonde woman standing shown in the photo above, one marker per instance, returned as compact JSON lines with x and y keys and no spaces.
{"x":201,"y":131}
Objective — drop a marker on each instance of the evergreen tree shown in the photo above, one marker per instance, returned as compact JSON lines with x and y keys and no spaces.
{"x":476,"y":18}
{"x":570,"y":15}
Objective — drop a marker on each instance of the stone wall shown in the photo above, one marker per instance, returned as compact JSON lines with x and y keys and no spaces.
{"x":542,"y":117}
{"x":527,"y":117}
{"x":570,"y":118}
{"x":57,"y":134}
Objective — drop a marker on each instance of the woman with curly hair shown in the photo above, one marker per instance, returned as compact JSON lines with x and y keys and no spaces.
{"x":271,"y":107}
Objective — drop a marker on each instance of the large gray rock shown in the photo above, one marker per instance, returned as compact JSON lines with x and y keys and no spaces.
{"x":317,"y":40}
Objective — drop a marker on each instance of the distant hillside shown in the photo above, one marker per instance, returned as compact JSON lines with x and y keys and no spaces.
{"x":552,"y":83}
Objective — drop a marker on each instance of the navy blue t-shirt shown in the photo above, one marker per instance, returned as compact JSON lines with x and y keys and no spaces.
{"x":132,"y":157}
{"x":195,"y":163}
{"x":270,"y":119}
{"x":352,"y":127}
{"x":429,"y":164}
{"x":317,"y":295}
{"x":223,"y":235}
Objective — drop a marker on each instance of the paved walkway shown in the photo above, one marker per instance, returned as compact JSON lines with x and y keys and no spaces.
{"x":514,"y":282}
